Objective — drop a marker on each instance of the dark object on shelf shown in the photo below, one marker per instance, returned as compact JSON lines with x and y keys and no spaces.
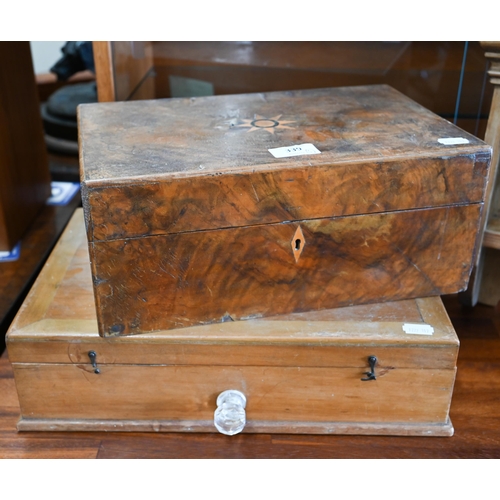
{"x":59,"y":112}
{"x":59,"y":116}
{"x":77,"y":56}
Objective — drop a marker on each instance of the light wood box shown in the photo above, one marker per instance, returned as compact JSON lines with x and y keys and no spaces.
{"x":300,"y":373}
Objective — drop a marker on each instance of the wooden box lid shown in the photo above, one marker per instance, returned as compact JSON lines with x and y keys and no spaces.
{"x":57,"y":324}
{"x":174,"y":165}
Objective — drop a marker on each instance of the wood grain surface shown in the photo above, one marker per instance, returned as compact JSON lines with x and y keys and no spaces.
{"x":190,"y":219}
{"x":474,"y":411}
{"x":428,"y":72}
{"x":425,"y":71}
{"x":126,"y":141}
{"x":132,"y":62}
{"x":50,"y":315}
{"x":105,"y":77}
{"x":185,"y":279}
{"x":186,"y":395}
{"x":199,"y":203}
{"x":50,"y":308}
{"x":24,"y":166}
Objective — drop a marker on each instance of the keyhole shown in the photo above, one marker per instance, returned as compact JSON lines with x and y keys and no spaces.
{"x":298,"y":243}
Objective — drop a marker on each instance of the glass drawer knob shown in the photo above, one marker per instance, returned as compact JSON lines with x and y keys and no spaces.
{"x":230,"y":416}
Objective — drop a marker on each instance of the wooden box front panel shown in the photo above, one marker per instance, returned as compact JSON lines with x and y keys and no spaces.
{"x":200,"y":203}
{"x":179,"y":280}
{"x":274,"y":394}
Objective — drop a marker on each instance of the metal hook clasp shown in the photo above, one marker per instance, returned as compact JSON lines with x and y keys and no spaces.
{"x":93,"y":361}
{"x":371,"y":374}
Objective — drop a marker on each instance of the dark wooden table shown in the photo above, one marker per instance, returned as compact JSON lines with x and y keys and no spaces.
{"x":475,"y":413}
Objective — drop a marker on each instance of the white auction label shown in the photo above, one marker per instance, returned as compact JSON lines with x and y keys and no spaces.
{"x":418,"y":328}
{"x":451,"y":141}
{"x":301,"y":149}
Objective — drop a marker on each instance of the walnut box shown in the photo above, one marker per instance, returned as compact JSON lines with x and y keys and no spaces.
{"x":224,"y":208}
{"x":385,"y":368}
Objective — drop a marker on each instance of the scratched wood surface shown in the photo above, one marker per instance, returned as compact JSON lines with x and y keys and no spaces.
{"x":173,"y":137}
{"x":191,"y":220}
{"x":301,"y":372}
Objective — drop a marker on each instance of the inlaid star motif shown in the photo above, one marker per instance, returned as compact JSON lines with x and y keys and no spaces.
{"x":264,"y":123}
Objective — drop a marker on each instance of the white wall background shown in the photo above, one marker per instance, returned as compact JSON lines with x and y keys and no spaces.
{"x":45,"y":54}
